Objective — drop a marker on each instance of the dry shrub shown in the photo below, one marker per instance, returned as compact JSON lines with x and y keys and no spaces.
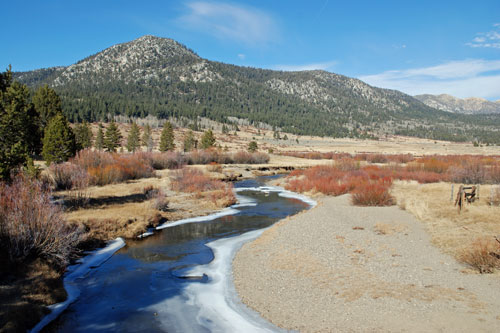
{"x":31,"y":226}
{"x":259,"y":158}
{"x":470,"y":171}
{"x":68,"y":176}
{"x":202,"y":156}
{"x":158,"y":197}
{"x":483,"y":254}
{"x":242,"y":157}
{"x":88,"y":158}
{"x":167,"y":160}
{"x":104,"y":175}
{"x":214,"y":167}
{"x":132,"y":167}
{"x":194,"y":181}
{"x":373,"y":193}
{"x":347,"y":164}
{"x":401,"y":158}
{"x":377,"y":158}
{"x":493,"y":174}
{"x":495,"y":196}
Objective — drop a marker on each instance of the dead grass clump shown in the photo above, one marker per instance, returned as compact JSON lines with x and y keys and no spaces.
{"x":483,"y":254}
{"x":158,"y":198}
{"x":31,"y":226}
{"x":214,"y":167}
{"x":495,"y":196}
{"x":388,"y":229}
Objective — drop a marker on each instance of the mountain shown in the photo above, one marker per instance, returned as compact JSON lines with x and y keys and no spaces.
{"x":449,"y":103}
{"x":161,"y":77}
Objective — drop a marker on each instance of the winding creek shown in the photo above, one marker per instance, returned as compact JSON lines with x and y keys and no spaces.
{"x":179,"y":279}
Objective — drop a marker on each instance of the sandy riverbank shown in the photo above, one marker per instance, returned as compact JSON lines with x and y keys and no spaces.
{"x":343,"y":268}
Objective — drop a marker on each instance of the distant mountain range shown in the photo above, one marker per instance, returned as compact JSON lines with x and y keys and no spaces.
{"x":449,"y":103}
{"x":160,"y":77}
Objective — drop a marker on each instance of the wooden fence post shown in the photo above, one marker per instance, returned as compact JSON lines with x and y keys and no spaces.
{"x":451,"y":194}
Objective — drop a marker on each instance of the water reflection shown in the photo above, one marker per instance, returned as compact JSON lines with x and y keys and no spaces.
{"x":116,"y":297}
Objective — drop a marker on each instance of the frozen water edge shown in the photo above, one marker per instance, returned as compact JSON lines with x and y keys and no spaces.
{"x":77,"y":271}
{"x":214,"y":305}
{"x":219,"y":308}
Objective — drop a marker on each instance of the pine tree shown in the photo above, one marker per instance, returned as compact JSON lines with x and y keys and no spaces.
{"x":207,"y":140}
{"x":47,"y":104}
{"x":167,"y":137}
{"x":99,"y":140}
{"x":147,"y":138}
{"x":58,"y":140}
{"x":252,"y":146}
{"x":113,"y":137}
{"x":19,"y":132}
{"x":190,"y":142}
{"x":133,"y":141}
{"x":83,"y":135}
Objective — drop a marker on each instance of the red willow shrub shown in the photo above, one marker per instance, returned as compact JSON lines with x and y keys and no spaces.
{"x":31,"y":226}
{"x":373,"y":193}
{"x":194,"y":181}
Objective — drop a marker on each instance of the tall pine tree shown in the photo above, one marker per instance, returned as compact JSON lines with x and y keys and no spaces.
{"x":47,"y":104}
{"x":167,"y":137}
{"x":19,"y":132}
{"x":207,"y":140}
{"x":190,"y":142}
{"x":58,"y":140}
{"x":83,"y":135}
{"x":113,"y":137}
{"x":147,"y":138}
{"x":99,"y":140}
{"x":133,"y":141}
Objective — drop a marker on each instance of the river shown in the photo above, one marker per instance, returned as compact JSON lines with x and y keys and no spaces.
{"x":179,"y":279}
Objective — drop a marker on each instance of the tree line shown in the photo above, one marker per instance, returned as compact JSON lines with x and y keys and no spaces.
{"x":32,"y":123}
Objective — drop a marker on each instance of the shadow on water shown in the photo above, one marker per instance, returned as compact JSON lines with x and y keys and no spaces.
{"x":117,"y":295}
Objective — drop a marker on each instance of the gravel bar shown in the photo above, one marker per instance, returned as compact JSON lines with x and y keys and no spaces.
{"x":338,"y":267}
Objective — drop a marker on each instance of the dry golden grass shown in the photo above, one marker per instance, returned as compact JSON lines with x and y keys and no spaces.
{"x":25,"y":292}
{"x":452,"y":231}
{"x":483,"y":254}
{"x":124,"y":210}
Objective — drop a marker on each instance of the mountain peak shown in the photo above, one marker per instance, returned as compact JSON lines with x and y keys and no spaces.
{"x":138,"y":59}
{"x":471,"y":105}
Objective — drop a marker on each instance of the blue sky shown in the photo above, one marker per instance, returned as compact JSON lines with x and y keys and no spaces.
{"x":414,"y":46}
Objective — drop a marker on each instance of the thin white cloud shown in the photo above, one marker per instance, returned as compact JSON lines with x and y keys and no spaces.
{"x":228,"y":21}
{"x":467,"y":78}
{"x":241,"y":56}
{"x":306,"y":67}
{"x":490,"y":39}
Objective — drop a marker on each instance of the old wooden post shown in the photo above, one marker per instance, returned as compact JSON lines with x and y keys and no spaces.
{"x":451,"y":194}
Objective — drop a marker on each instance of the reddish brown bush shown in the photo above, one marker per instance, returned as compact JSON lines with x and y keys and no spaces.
{"x":68,"y":176}
{"x":194,"y":181}
{"x":373,"y":193}
{"x":31,"y":226}
{"x":470,"y":171}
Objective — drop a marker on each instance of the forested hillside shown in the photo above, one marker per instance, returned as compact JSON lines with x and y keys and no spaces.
{"x":160,"y":77}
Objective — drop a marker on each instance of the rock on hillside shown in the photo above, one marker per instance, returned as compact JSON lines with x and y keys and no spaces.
{"x":449,"y":103}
